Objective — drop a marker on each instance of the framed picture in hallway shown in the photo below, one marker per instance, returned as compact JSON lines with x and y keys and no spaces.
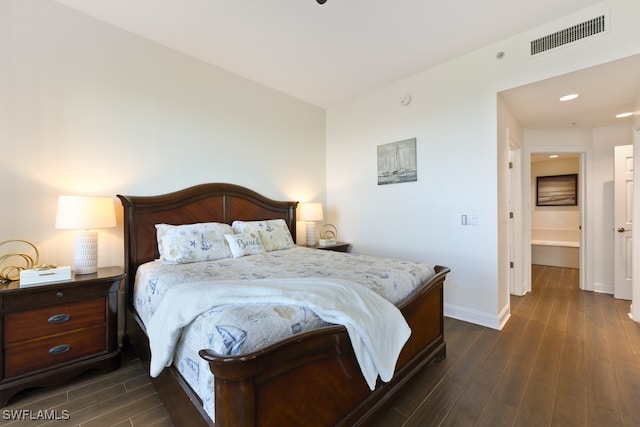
{"x":557,"y":190}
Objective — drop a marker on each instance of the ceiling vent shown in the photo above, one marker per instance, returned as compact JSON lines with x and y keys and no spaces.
{"x":568,"y":35}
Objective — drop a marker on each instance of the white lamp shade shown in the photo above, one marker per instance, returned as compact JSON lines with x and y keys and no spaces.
{"x":311,"y":212}
{"x":85,"y":212}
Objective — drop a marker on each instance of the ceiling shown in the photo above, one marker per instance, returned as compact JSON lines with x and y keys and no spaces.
{"x":327,"y":54}
{"x":604,"y":91}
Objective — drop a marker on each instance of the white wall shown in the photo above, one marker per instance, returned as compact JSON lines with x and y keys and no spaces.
{"x":456,"y":175}
{"x":87,"y":108}
{"x":453,"y":115}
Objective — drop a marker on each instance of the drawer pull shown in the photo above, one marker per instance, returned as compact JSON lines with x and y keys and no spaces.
{"x":59,"y":349}
{"x":59,"y":294}
{"x":59,"y":318}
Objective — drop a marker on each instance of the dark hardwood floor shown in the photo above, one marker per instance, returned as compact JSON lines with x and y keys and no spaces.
{"x":122,"y":398}
{"x":566,"y":358}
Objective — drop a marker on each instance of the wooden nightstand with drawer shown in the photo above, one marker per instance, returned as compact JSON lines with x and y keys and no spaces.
{"x":53,"y":332}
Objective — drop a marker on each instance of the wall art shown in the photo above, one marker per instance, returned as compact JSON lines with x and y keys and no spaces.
{"x":557,"y":190}
{"x":397,"y":162}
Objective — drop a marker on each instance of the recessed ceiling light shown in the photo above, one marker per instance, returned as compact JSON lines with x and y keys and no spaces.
{"x":569,"y":97}
{"x":622,"y":115}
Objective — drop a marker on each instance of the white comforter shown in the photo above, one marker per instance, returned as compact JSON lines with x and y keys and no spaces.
{"x":377,"y":329}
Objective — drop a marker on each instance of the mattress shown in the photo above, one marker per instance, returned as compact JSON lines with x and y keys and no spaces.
{"x":240,"y":329}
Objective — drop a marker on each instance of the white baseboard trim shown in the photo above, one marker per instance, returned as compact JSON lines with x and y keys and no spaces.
{"x":602,"y":288}
{"x":505,"y":315}
{"x":493,"y":321}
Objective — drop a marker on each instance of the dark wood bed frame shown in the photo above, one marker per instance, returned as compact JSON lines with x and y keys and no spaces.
{"x":312,"y":379}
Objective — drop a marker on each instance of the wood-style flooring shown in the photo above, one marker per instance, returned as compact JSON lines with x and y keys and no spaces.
{"x":566,"y":358}
{"x":122,"y":398}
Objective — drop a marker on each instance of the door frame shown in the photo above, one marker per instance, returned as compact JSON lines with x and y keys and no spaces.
{"x":514,"y":220}
{"x":634,"y":311}
{"x":586,"y":212}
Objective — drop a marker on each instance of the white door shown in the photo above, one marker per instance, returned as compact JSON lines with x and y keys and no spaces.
{"x":623,"y":220}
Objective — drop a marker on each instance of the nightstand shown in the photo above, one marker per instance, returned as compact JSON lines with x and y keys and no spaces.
{"x":338,"y":247}
{"x":53,"y":332}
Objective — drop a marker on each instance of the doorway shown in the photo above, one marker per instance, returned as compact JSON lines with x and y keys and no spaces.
{"x":575,"y":217}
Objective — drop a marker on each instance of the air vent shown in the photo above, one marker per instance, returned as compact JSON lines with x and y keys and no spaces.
{"x":568,"y":35}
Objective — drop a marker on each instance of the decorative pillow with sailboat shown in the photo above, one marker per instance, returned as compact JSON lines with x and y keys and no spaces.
{"x":184,"y":244}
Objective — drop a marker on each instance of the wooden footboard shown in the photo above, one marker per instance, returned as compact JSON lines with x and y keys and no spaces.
{"x":314,"y":379}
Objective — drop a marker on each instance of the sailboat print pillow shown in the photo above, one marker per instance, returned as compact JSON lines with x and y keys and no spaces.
{"x":184,"y":244}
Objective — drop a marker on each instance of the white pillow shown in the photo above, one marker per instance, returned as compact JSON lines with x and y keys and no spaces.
{"x":244,"y":244}
{"x":183,"y":244}
{"x":274,"y":233}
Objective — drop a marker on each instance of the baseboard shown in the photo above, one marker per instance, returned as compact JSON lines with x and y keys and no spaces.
{"x":493,"y":321}
{"x":505,"y":315}
{"x":602,"y":288}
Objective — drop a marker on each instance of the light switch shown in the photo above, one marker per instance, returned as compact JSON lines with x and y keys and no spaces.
{"x":469,"y":220}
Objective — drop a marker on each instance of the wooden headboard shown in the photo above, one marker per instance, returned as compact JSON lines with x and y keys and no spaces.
{"x":214,"y":202}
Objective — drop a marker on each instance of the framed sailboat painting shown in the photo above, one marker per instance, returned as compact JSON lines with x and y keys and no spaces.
{"x":397,"y":162}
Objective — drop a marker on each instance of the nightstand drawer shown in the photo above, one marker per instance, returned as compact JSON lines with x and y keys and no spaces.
{"x":49,"y":294}
{"x":24,"y":325}
{"x":29,"y":356}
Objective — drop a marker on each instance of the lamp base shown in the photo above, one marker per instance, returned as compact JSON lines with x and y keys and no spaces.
{"x":311,"y":233}
{"x":86,"y":252}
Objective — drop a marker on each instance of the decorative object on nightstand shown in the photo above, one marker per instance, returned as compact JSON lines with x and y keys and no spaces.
{"x":54,"y":332}
{"x":311,"y":212}
{"x":12,"y":272}
{"x":85,"y":214}
{"x":46,"y":273}
{"x":328,"y":235}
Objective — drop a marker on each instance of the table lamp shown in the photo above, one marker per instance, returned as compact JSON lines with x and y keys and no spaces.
{"x":311,"y":212}
{"x":85,"y":214}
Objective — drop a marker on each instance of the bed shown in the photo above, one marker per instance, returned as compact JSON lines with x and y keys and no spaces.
{"x":311,"y":378}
